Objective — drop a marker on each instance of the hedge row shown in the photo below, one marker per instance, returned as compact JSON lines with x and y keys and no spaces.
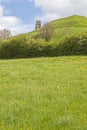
{"x":20,"y":47}
{"x":74,"y":45}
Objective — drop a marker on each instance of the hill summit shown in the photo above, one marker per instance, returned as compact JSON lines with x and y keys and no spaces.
{"x":67,"y":26}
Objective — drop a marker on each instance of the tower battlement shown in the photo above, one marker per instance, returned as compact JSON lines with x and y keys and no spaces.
{"x":38,"y":25}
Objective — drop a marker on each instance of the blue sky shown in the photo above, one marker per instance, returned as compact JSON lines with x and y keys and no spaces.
{"x":19,"y":15}
{"x":26,"y":10}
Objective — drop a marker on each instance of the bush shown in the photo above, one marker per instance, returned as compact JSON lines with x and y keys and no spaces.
{"x":36,"y":47}
{"x":20,"y":47}
{"x":13,"y":48}
{"x":74,"y":45}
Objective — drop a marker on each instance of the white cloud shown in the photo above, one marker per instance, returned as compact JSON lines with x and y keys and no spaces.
{"x":47,"y":17}
{"x":9,"y":21}
{"x":60,"y":8}
{"x":22,"y":28}
{"x":13,"y":23}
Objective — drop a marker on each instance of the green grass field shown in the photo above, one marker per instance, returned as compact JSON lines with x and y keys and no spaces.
{"x":43,"y":94}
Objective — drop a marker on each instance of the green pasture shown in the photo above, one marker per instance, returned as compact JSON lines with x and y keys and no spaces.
{"x":43,"y":94}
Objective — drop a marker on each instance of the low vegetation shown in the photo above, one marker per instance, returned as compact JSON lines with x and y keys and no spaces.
{"x":43,"y":94}
{"x":20,"y":47}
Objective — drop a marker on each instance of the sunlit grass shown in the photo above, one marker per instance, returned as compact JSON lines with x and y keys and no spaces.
{"x":43,"y":94}
{"x":65,"y":27}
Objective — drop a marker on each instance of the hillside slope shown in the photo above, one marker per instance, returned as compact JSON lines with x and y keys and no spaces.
{"x":67,"y":26}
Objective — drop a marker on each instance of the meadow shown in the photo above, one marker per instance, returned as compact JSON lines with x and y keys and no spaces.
{"x":43,"y":93}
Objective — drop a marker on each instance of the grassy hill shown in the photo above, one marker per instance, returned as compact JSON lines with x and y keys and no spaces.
{"x":33,"y":44}
{"x":67,"y":26}
{"x":43,"y":94}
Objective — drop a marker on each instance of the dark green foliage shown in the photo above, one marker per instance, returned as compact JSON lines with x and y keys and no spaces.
{"x":36,"y":47}
{"x":21,"y":47}
{"x":14,"y":48}
{"x":74,"y":45}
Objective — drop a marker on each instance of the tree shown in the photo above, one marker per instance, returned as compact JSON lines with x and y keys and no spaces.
{"x":5,"y":34}
{"x":47,"y":31}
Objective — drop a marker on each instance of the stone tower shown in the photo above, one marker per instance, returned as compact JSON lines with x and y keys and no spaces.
{"x":38,"y":25}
